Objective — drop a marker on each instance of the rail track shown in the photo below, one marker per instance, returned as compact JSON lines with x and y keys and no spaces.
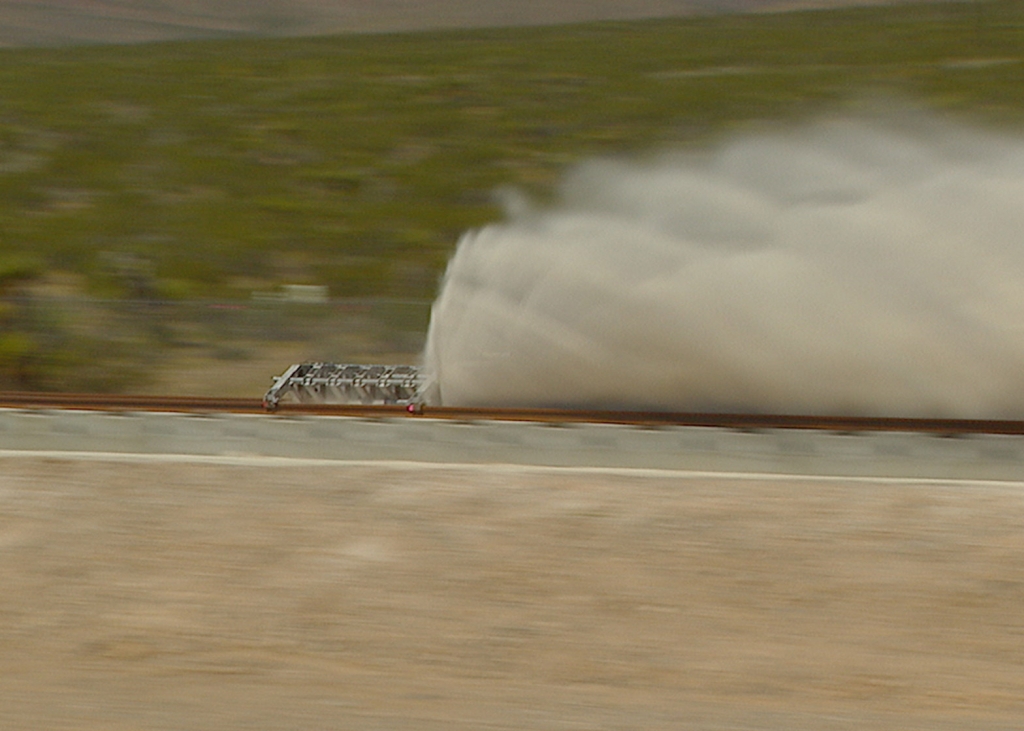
{"x":201,"y":405}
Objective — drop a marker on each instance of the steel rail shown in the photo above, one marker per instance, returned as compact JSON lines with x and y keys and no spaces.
{"x":752,"y":422}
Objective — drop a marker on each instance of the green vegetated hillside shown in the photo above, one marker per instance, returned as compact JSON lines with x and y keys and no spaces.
{"x":218,"y":168}
{"x":355,"y":162}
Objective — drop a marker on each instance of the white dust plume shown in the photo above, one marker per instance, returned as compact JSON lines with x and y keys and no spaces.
{"x":844,"y":267}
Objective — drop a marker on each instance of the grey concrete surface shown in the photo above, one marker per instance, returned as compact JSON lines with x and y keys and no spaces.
{"x":782,"y":451}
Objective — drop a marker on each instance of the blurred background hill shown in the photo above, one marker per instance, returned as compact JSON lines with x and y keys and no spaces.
{"x":61,"y":22}
{"x":193,"y":216}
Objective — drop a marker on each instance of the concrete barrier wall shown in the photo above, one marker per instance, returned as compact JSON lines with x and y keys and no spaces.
{"x":784,"y":451}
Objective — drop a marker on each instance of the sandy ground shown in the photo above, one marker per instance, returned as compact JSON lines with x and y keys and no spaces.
{"x":205,"y":596}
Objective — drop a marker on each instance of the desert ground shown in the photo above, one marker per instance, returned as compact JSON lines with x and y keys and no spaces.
{"x":163,"y":595}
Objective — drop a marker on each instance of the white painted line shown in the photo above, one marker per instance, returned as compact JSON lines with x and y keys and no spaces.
{"x":244,"y":460}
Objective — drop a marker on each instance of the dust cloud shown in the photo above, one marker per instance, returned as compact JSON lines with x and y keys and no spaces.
{"x":846,"y":266}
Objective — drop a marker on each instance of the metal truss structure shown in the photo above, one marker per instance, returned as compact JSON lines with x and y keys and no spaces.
{"x":334,"y":383}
